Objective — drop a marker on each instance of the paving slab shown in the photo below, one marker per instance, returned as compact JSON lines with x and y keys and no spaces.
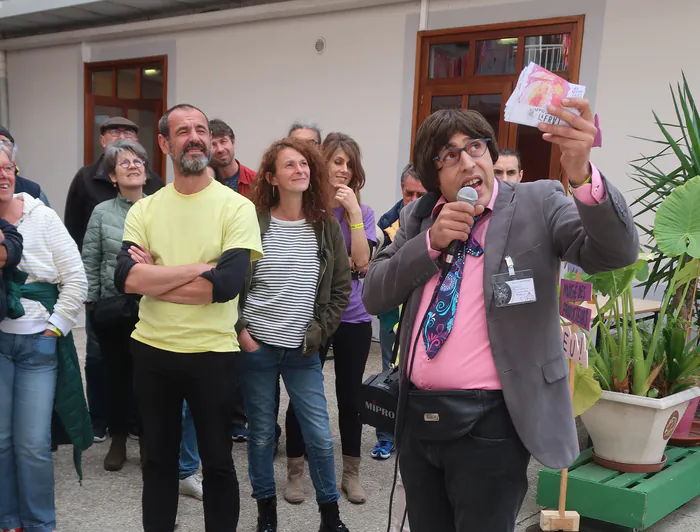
{"x":109,"y":502}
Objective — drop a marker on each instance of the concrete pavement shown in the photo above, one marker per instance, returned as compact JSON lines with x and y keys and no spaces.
{"x":109,"y":502}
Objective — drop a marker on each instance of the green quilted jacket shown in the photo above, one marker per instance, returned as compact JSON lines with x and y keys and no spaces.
{"x":102,"y":243}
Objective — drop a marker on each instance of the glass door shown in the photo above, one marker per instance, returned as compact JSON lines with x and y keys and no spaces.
{"x":134,"y":89}
{"x":487,"y":98}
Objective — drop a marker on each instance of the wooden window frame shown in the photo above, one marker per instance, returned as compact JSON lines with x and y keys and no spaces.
{"x":426,"y":86}
{"x":90,"y":100}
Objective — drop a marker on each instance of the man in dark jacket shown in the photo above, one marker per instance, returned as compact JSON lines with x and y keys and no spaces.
{"x":411,"y":190}
{"x":90,"y":187}
{"x":22,"y":184}
{"x":10,"y":255}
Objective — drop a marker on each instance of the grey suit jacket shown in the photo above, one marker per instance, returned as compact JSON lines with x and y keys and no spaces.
{"x":537,"y":226}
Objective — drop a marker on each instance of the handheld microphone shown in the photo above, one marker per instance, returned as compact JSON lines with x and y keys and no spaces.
{"x":471,"y":196}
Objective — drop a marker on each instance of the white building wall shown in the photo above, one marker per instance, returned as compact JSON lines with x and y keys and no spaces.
{"x":261,"y":76}
{"x":46,"y":116}
{"x":646,"y":45}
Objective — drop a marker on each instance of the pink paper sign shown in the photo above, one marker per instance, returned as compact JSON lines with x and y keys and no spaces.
{"x":575,"y":292}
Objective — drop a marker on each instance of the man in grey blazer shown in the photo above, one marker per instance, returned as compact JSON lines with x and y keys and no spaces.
{"x":483,"y":375}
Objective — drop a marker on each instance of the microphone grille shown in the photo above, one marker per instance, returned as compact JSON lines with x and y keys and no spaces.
{"x":468,"y":194}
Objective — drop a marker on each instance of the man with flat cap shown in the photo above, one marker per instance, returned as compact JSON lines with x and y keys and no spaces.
{"x":90,"y":187}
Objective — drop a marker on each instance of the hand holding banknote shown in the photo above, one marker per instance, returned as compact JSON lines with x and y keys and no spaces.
{"x":576,"y":141}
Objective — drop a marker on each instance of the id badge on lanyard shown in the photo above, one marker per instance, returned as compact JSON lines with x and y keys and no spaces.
{"x":515,"y":287}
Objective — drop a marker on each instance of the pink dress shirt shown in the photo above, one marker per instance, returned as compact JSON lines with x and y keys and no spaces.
{"x":465,"y":361}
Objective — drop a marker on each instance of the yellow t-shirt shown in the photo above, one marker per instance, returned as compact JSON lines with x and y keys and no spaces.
{"x":191,"y":229}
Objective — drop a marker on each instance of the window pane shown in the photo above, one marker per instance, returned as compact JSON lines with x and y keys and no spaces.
{"x":488,"y":105}
{"x":534,"y":152}
{"x":126,"y":83}
{"x":549,"y":51}
{"x":102,"y":83}
{"x":102,"y":113}
{"x":152,"y":83}
{"x":448,"y":60}
{"x":496,"y":56}
{"x":146,"y":121}
{"x":445,"y":102}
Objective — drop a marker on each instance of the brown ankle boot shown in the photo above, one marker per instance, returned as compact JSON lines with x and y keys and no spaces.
{"x":294,"y":490}
{"x":116,"y":456}
{"x":351,"y":480}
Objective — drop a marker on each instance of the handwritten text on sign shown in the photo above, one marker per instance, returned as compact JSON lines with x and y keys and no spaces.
{"x":575,"y":347}
{"x":573,"y":292}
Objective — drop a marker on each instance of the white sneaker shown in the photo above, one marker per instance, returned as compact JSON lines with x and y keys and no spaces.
{"x":192,"y":486}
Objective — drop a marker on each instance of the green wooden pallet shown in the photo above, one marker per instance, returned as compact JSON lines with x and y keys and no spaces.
{"x":635,"y":500}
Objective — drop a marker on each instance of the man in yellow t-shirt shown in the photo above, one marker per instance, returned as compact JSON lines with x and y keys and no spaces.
{"x":186,"y":249}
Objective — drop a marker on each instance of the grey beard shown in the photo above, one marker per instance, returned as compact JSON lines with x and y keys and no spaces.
{"x":194,"y":166}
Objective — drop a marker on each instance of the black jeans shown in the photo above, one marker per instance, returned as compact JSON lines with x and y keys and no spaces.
{"x":163,"y":379}
{"x":114,"y":339}
{"x":476,"y":482}
{"x":351,"y":343}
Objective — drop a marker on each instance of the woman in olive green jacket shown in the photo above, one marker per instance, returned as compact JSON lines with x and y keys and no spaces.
{"x":292,"y":304}
{"x":114,"y":315}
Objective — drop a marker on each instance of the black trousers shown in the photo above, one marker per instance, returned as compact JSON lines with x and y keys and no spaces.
{"x":351,"y":343}
{"x":163,"y":380}
{"x":114,"y":339}
{"x":474,"y":483}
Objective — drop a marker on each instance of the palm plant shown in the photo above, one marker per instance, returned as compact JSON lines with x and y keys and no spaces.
{"x":680,"y":150}
{"x":666,"y":362}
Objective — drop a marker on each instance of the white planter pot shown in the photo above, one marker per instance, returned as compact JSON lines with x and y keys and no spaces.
{"x":628,"y":429}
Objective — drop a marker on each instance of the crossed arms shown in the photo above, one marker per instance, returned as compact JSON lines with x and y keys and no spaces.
{"x":188,"y":284}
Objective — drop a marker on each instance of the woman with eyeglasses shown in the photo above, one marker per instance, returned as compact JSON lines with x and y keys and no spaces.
{"x":39,"y":370}
{"x":114,"y":315}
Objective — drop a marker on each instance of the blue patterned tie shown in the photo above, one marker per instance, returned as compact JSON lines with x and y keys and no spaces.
{"x":441,"y":314}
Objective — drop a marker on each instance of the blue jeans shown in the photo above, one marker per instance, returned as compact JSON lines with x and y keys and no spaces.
{"x":95,"y":377}
{"x":189,"y":452}
{"x":303,"y":378}
{"x":28,"y":367}
{"x":386,"y":341}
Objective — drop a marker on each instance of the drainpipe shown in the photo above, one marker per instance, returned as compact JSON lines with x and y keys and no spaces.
{"x":4,"y":97}
{"x":423,"y":24}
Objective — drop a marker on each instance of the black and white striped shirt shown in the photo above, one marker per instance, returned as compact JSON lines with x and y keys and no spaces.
{"x":280,"y":302}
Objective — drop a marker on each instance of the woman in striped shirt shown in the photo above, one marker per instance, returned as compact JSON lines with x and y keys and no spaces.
{"x":36,"y":357}
{"x":293,"y":301}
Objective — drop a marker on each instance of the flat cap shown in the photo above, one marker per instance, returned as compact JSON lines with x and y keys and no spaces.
{"x":118,"y":121}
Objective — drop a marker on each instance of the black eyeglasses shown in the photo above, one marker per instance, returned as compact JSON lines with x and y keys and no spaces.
{"x":474,"y":148}
{"x":126,"y":163}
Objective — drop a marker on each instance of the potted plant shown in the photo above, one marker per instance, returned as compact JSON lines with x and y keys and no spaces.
{"x":647,"y":377}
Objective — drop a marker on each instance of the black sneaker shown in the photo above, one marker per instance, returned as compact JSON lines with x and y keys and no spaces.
{"x":330,"y":518}
{"x":100,"y":434}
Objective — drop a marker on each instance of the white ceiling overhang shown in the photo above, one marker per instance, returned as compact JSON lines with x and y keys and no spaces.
{"x":23,"y":18}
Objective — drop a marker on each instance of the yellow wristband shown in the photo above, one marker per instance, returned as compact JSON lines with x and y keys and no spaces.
{"x":55,"y":330}
{"x":588,"y":180}
{"x":361,"y":225}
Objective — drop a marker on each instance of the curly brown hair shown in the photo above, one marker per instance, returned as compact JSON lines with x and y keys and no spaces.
{"x":341,"y":141}
{"x":314,"y":199}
